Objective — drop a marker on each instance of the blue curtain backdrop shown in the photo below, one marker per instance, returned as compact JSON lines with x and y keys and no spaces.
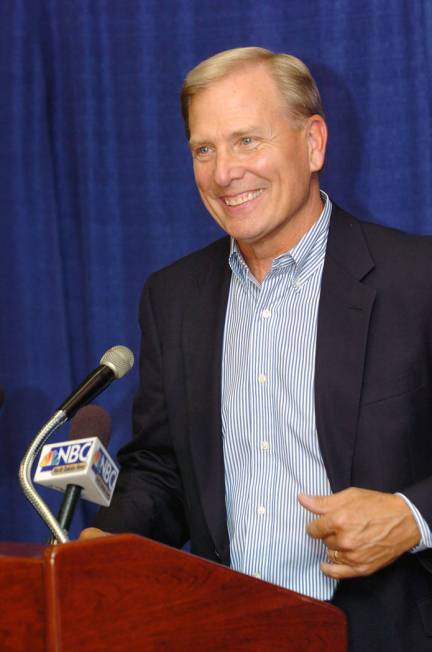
{"x":96,"y":188}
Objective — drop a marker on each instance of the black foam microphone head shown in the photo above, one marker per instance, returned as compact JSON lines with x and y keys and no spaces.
{"x":91,"y":421}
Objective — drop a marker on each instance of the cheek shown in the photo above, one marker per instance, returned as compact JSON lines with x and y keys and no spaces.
{"x":203,"y":176}
{"x":271,"y":166}
{"x":294,"y":170}
{"x":262,"y":164}
{"x":204,"y":189}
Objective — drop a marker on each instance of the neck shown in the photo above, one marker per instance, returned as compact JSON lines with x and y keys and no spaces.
{"x":259,"y":255}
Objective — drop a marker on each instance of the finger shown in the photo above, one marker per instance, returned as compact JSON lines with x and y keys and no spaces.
{"x":332,"y":543}
{"x":92,"y":533}
{"x":315,"y":504}
{"x":338,"y":571}
{"x":334,"y":556}
{"x":345,"y":571}
{"x":321,"y":528}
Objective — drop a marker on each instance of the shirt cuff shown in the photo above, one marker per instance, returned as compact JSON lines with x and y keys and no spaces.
{"x":425,"y":531}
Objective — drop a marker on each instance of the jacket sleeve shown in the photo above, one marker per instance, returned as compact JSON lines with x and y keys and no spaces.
{"x":148,"y":498}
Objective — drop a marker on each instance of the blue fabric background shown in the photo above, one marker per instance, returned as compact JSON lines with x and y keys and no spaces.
{"x":96,"y":188}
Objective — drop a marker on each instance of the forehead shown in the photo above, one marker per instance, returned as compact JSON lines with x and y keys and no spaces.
{"x":247,"y":96}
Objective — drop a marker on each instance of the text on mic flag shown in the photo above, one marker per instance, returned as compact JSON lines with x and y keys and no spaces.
{"x":83,"y":462}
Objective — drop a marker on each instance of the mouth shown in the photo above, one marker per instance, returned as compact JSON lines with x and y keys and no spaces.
{"x":242,"y":198}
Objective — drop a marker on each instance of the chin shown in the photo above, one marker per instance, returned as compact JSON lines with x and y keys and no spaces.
{"x":246,"y":237}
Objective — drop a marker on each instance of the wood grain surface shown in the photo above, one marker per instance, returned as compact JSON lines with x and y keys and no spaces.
{"x":128,"y":594}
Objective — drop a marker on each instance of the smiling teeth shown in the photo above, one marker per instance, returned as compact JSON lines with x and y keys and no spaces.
{"x":241,"y":199}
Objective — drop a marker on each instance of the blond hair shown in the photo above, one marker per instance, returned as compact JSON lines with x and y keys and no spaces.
{"x":293,"y":79}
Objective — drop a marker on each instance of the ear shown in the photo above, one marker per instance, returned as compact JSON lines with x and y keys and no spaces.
{"x":316,"y":131}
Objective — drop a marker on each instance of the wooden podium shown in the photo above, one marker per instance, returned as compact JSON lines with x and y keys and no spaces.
{"x":125,"y":593}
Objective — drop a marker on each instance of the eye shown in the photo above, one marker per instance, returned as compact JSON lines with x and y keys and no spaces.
{"x":202,"y":152}
{"x":247,"y":140}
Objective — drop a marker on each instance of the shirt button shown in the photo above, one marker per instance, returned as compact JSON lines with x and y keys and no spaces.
{"x":257,"y":575}
{"x":265,"y":445}
{"x":297,"y":282}
{"x":262,"y":378}
{"x":266,"y":313}
{"x":261,"y":510}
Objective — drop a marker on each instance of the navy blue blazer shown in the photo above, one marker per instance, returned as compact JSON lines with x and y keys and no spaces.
{"x":373,"y":397}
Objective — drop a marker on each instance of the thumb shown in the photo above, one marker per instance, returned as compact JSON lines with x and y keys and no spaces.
{"x":315,"y":504}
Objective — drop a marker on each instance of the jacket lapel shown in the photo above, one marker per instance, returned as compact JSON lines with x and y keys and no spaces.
{"x":343,"y":323}
{"x":203,"y":329}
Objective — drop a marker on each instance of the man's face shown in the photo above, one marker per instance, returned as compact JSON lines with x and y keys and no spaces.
{"x":252,"y":168}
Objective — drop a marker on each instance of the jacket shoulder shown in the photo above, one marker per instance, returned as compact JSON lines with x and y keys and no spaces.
{"x":396,"y":250}
{"x":382,"y":235}
{"x":201,"y":261}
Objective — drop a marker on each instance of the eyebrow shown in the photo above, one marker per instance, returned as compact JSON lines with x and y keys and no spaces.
{"x":196,"y":143}
{"x":245,"y":132}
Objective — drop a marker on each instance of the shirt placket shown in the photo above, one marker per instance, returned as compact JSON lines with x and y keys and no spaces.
{"x":261,"y":524}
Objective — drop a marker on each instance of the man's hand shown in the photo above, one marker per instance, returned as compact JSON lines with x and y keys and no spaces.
{"x":363,"y":530}
{"x":92,"y":533}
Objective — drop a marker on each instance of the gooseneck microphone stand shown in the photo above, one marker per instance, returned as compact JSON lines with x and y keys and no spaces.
{"x":58,"y":534}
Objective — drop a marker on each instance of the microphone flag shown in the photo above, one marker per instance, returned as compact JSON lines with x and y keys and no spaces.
{"x":83,"y":462}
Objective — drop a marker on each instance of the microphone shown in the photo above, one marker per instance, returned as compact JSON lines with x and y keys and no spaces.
{"x":114,"y":364}
{"x":89,"y":422}
{"x":81,"y":465}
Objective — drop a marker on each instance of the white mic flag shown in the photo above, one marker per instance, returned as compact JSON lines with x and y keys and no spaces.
{"x":83,"y":462}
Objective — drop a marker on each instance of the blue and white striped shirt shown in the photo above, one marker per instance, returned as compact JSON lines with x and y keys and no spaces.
{"x":271,"y":449}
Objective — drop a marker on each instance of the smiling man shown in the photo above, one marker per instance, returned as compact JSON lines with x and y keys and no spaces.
{"x":283,"y":421}
{"x":256,"y":170}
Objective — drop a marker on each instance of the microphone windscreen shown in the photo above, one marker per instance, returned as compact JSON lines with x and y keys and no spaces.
{"x":119,"y":358}
{"x":91,"y":421}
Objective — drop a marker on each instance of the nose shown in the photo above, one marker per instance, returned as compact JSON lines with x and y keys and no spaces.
{"x":227,"y":168}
